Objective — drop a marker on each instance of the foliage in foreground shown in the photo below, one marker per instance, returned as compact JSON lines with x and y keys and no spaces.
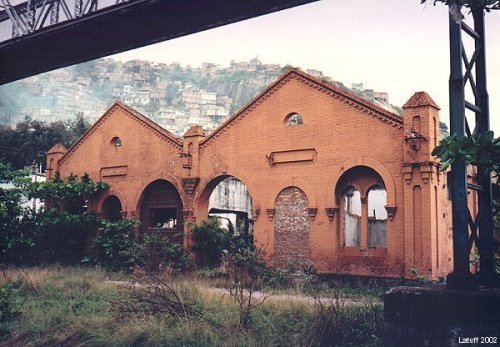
{"x":485,"y":4}
{"x":482,"y":150}
{"x":52,"y":235}
{"x":70,"y":306}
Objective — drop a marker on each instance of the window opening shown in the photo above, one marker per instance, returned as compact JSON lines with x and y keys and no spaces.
{"x":377,"y":217}
{"x":352,"y":217}
{"x":116,"y":141}
{"x":294,"y":119}
{"x":163,"y":217}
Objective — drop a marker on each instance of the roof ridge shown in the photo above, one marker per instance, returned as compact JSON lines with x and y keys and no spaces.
{"x":106,"y":114}
{"x":419,"y":99}
{"x":393,"y":117}
{"x":150,"y":122}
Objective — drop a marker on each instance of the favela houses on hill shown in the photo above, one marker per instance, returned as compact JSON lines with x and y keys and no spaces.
{"x":322,"y":177}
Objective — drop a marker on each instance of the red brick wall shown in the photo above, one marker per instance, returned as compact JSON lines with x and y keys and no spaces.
{"x":339,"y":132}
{"x":291,"y":228}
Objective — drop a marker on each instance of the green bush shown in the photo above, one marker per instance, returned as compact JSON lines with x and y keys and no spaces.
{"x":56,"y":235}
{"x":210,"y":240}
{"x":115,"y":247}
{"x":9,"y":307}
{"x":158,"y":252}
{"x":46,"y":237}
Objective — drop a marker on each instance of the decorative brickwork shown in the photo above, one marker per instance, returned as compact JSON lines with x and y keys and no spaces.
{"x":295,"y":175}
{"x":291,"y":228}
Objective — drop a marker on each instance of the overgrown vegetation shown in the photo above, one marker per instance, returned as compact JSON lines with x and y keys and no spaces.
{"x":115,"y":246}
{"x":210,"y":240}
{"x":52,"y":235}
{"x":70,"y":306}
{"x":162,"y":303}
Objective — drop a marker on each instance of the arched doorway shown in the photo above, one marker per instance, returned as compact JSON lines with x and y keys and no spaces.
{"x":291,"y":229}
{"x":161,"y":210}
{"x":228,"y":199}
{"x":111,"y":208}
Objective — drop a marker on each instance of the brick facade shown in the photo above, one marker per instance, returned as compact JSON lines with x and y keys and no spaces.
{"x":342,"y":140}
{"x":291,"y":229}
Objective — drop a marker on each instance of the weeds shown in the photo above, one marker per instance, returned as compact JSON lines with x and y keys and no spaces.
{"x":244,"y":277}
{"x":155,"y":297}
{"x":68,"y":306}
{"x":337,"y":324}
{"x":9,"y":307}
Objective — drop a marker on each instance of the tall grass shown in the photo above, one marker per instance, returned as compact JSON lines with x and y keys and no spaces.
{"x":68,"y":306}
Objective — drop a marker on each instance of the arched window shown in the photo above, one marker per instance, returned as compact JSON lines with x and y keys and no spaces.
{"x":377,"y":217}
{"x":362,"y":199}
{"x":352,"y":216}
{"x":111,"y":208}
{"x":116,"y":142}
{"x":161,"y":210}
{"x":294,"y":119}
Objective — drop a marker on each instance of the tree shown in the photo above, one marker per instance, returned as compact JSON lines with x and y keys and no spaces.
{"x":31,"y":139}
{"x":57,"y":234}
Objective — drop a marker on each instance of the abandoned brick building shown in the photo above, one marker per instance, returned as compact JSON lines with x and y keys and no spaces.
{"x":335,"y":181}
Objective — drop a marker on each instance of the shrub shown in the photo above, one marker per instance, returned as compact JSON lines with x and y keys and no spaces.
{"x":61,"y":237}
{"x":158,"y":252}
{"x":210,"y":239}
{"x":245,"y":268}
{"x":115,"y":247}
{"x":154,"y":296}
{"x":46,"y":237}
{"x":56,"y":235}
{"x":9,"y":307}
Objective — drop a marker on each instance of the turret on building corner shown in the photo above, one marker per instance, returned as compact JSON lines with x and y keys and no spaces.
{"x":53,"y":156}
{"x":427,"y":233}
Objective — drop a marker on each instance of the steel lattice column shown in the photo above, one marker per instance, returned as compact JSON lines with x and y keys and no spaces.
{"x":469,"y":230}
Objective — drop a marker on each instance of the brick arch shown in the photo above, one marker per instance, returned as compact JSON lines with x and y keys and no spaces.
{"x":115,"y":192}
{"x":111,"y":208}
{"x":370,"y":163}
{"x":202,"y":196}
{"x":160,"y":209}
{"x":291,"y":228}
{"x":170,"y":179}
{"x":292,"y":182}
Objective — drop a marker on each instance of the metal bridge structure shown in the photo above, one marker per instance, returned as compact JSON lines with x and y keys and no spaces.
{"x":469,"y":115}
{"x":41,"y":35}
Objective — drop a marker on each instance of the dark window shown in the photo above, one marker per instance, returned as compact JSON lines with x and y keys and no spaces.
{"x":116,"y":141}
{"x":163,"y":217}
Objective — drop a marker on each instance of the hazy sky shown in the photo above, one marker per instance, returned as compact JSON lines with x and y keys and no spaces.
{"x":396,"y":46}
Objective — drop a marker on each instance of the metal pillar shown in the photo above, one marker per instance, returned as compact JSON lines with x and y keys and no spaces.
{"x":469,"y":230}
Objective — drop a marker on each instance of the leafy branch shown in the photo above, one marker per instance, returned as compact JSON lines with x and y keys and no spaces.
{"x":485,"y":4}
{"x":482,"y":150}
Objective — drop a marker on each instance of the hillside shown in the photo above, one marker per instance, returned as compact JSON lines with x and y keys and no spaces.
{"x":175,"y":96}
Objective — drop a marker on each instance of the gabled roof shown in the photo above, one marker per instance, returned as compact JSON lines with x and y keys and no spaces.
{"x":155,"y":128}
{"x":321,"y":85}
{"x":420,"y":99}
